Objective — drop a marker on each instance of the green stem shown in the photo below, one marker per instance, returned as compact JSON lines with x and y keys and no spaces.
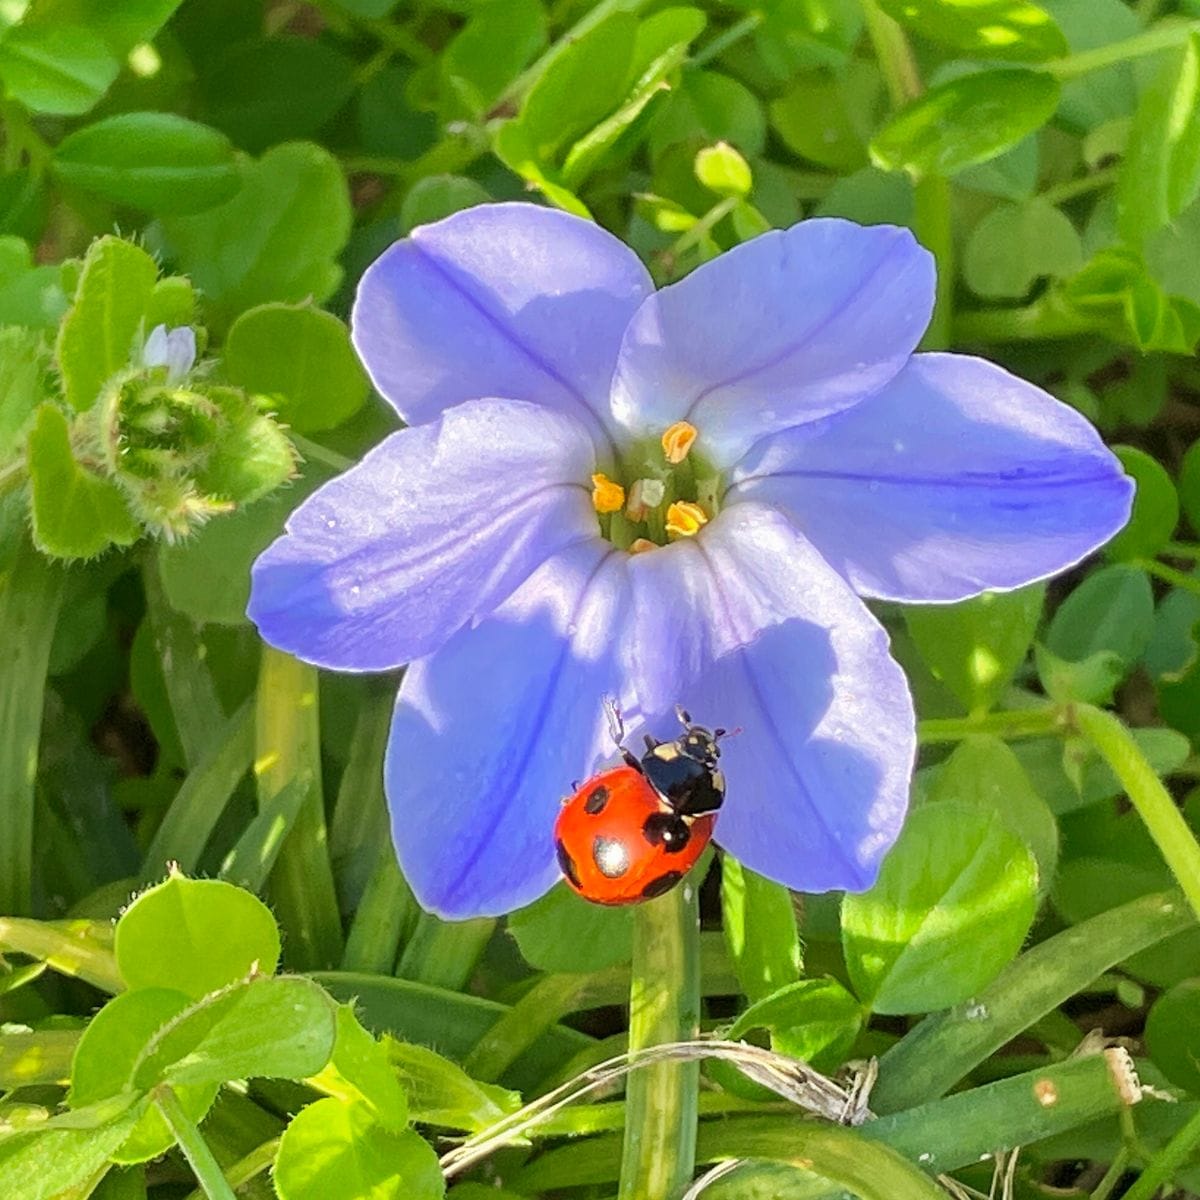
{"x":1167,"y":1161}
{"x":1146,"y":792}
{"x":1180,"y":579}
{"x":726,"y":38}
{"x":705,"y":225}
{"x":198,"y":714}
{"x":1043,"y":319}
{"x":1022,"y":722}
{"x":1112,"y":1176}
{"x":250,"y":1167}
{"x":1161,"y":37}
{"x":30,"y":596}
{"x":1073,"y":188}
{"x":287,"y":748}
{"x":384,"y":915}
{"x":195,"y":1149}
{"x":659,"y":1153}
{"x":1182,"y":550}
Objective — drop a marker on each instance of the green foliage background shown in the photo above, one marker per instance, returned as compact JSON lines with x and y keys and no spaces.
{"x":232,"y":166}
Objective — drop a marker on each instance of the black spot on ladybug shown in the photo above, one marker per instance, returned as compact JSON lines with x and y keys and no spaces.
{"x":666,"y":830}
{"x":664,"y":883}
{"x":610,"y":857}
{"x":596,"y":800}
{"x":566,"y":864}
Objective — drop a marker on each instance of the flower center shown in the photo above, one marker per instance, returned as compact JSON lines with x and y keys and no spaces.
{"x":662,"y":490}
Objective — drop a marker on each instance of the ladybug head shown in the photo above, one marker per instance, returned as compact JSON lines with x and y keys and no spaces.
{"x":698,"y":743}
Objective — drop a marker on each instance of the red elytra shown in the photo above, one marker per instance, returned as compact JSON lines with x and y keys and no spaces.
{"x":616,"y":839}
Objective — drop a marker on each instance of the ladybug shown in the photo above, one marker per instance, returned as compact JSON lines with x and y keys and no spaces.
{"x":634,"y":831}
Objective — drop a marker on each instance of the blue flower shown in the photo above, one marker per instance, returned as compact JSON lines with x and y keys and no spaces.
{"x":664,"y":497}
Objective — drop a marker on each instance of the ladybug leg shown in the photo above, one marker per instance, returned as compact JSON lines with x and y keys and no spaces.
{"x":685,"y":718}
{"x":651,"y":742}
{"x":631,"y":760}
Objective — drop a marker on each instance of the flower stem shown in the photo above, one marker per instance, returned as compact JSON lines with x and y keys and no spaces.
{"x":1180,"y":579}
{"x":726,"y":38}
{"x":1167,"y":1161}
{"x":1161,"y":37}
{"x":1022,"y":722}
{"x":1146,"y":792}
{"x":195,"y":1149}
{"x":1073,"y":188}
{"x":664,"y":1006}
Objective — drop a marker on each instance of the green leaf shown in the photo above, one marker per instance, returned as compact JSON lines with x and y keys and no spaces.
{"x":267,"y":1027}
{"x":582,"y":85}
{"x":1173,"y":1035}
{"x":269,"y":90}
{"x":275,"y":240}
{"x":1015,"y":245}
{"x":985,"y":774}
{"x":23,"y":364}
{"x":1093,"y":680}
{"x":975,"y":647}
{"x":207,"y":577}
{"x":761,"y":933}
{"x":951,"y":907}
{"x":106,"y":1058}
{"x":158,"y":162}
{"x":23,"y":204}
{"x":336,"y":1151}
{"x":303,"y":357}
{"x":710,"y":107}
{"x":361,"y":1071}
{"x":437,"y":196}
{"x":487,"y":54}
{"x":1189,"y":486}
{"x":194,"y":936}
{"x":76,"y":514}
{"x":965,"y":120}
{"x":563,"y":933}
{"x":815,"y":1020}
{"x":122,"y":26}
{"x":30,"y":296}
{"x":99,"y":335}
{"x":723,"y":170}
{"x":1113,"y":609}
{"x":1005,"y":29}
{"x":61,"y":70}
{"x":1155,"y":508}
{"x":42,"y":1165}
{"x":827,"y":117}
{"x":1161,"y":168}
{"x":440,"y":1092}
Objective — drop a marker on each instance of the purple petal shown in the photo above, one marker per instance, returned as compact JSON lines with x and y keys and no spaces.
{"x":437,"y":525}
{"x":490,"y":732}
{"x":762,"y":636}
{"x":955,"y":479}
{"x":500,"y":300}
{"x":784,"y":329}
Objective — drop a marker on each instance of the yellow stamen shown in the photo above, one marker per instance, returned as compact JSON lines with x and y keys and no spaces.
{"x":644,"y":495}
{"x":607,"y":496}
{"x":677,"y":441}
{"x":641,"y":545}
{"x":685,"y":519}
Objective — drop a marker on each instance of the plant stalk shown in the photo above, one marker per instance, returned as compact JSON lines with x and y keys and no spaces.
{"x":659,"y":1154}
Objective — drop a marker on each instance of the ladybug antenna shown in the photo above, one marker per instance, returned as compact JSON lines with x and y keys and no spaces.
{"x":616,"y":724}
{"x":685,"y":717}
